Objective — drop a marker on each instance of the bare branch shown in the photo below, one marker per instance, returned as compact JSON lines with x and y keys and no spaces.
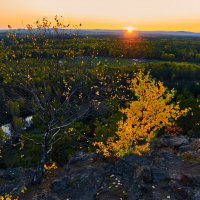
{"x":30,"y":139}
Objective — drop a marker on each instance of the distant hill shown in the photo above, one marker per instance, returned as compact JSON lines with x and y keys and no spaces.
{"x":142,"y":33}
{"x":169,"y":33}
{"x":102,"y":32}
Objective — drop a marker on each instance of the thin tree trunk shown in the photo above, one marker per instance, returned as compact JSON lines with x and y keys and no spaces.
{"x":39,"y":173}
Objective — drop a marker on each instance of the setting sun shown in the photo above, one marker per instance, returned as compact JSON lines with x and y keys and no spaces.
{"x":130,"y":29}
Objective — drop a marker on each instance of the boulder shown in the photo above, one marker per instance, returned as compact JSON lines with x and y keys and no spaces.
{"x":193,"y":146}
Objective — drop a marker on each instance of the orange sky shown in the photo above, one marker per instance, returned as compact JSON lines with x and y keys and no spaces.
{"x":106,"y":14}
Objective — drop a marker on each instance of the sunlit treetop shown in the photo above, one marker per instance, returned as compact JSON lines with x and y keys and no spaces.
{"x":151,"y":110}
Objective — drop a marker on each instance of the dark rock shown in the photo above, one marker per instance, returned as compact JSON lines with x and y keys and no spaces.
{"x":135,"y":192}
{"x":178,"y":141}
{"x":181,"y":192}
{"x":187,"y":180}
{"x":144,"y":173}
{"x":52,"y":198}
{"x":81,"y":158}
{"x":191,"y":133}
{"x":82,"y":184}
{"x":185,"y":148}
{"x":156,"y":195}
{"x":196,"y":194}
{"x":174,"y":174}
{"x":173,"y":141}
{"x":190,"y":180}
{"x":107,"y":195}
{"x":12,"y":181}
{"x":159,"y":174}
{"x":60,"y":185}
{"x":193,"y":146}
{"x":197,"y":180}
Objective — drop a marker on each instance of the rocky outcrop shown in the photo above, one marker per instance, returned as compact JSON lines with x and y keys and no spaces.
{"x":174,"y":142}
{"x":163,"y":174}
{"x":13,"y":181}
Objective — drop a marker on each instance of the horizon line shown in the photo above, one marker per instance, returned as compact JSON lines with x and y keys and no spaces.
{"x":101,"y":29}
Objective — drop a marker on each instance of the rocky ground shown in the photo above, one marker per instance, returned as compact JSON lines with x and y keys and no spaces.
{"x":171,"y":171}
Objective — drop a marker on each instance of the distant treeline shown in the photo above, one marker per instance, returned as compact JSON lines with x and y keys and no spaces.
{"x":159,"y":48}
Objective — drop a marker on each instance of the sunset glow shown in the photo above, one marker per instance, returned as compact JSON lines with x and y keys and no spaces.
{"x":106,"y":14}
{"x":130,"y":29}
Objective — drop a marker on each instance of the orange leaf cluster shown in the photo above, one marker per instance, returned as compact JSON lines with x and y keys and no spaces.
{"x":50,"y":166}
{"x":8,"y":197}
{"x":149,"y":112}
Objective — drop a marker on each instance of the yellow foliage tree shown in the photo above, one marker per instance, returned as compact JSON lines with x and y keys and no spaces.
{"x":149,"y":112}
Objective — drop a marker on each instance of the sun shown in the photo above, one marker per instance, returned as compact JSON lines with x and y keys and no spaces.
{"x":131,"y":32}
{"x":130,"y":29}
